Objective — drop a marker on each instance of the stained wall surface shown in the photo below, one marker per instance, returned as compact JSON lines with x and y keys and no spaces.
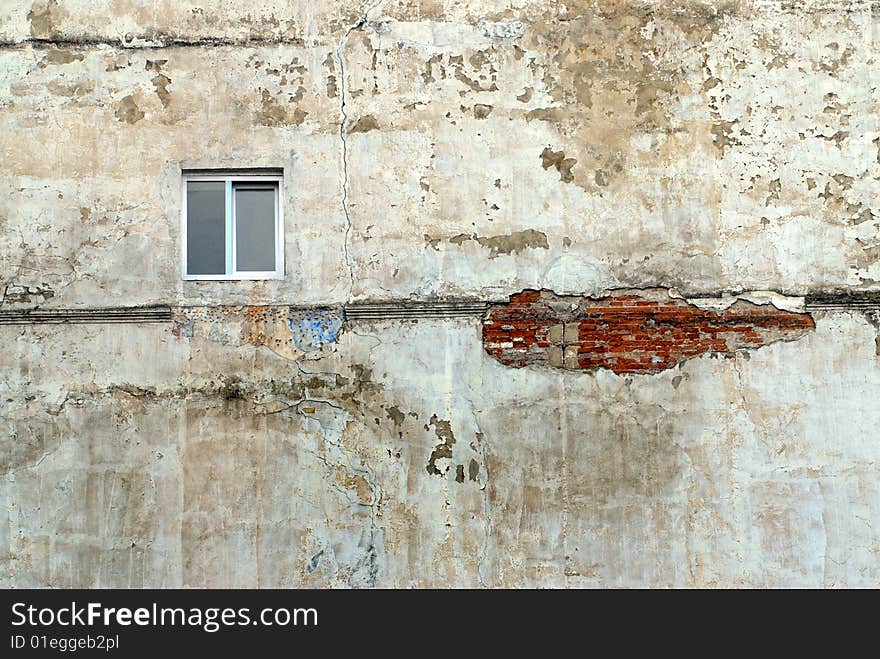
{"x":350,"y":425}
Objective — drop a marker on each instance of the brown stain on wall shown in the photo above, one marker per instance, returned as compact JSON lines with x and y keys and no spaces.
{"x":71,"y":90}
{"x":558,"y":161}
{"x":59,"y":57}
{"x":357,"y":483}
{"x":273,"y":112}
{"x":364,"y":124}
{"x":505,"y":244}
{"x":43,"y":16}
{"x":599,"y":93}
{"x":443,"y":450}
{"x":513,"y":243}
{"x":482,"y":111}
{"x":160,"y":83}
{"x":128,"y":111}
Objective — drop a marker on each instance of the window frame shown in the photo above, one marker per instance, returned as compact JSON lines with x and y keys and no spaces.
{"x":231,"y":227}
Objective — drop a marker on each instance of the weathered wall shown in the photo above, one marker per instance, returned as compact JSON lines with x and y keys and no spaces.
{"x":351,"y":424}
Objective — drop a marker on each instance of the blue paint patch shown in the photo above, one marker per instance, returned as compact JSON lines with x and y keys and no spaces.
{"x":181,"y":329}
{"x":312,"y":328}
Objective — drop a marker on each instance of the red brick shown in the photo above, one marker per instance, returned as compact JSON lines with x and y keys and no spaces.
{"x":630,"y":333}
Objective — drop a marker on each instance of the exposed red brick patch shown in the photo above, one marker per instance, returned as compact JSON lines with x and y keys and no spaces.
{"x":628,"y":331}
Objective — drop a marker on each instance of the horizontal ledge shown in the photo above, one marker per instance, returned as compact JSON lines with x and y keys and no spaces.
{"x":843,"y":300}
{"x":154,"y":41}
{"x":359,"y":311}
{"x":356,"y":318}
{"x":405,"y":310}
{"x":155,"y":314}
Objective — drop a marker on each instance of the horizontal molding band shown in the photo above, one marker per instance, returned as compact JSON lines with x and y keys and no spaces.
{"x":362,"y":311}
{"x":152,"y":41}
{"x":856,"y":300}
{"x":404,"y":310}
{"x":156,"y":314}
{"x":843,"y":307}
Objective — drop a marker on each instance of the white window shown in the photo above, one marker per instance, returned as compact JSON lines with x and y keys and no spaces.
{"x":232,"y":226}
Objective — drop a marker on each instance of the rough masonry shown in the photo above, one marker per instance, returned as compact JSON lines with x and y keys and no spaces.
{"x":628,"y":331}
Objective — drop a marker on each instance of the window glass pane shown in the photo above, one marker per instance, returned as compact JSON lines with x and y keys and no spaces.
{"x":255,"y":227}
{"x":206,"y":227}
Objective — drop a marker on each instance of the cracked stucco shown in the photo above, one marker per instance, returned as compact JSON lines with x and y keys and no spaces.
{"x":437,"y":152}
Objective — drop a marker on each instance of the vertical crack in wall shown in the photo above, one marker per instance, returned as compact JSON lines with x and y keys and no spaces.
{"x":343,"y":118}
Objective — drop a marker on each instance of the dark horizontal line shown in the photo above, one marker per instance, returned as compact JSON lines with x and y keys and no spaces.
{"x":841,"y":307}
{"x":848,"y":305}
{"x":843,"y":300}
{"x":349,"y":311}
{"x":413,"y":316}
{"x":153,"y":42}
{"x":82,"y":321}
{"x":360,"y":311}
{"x":418,"y":305}
{"x":404,"y":310}
{"x":152,"y":314}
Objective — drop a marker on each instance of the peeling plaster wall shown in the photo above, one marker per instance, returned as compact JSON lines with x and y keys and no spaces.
{"x":271,"y":434}
{"x":127,"y":470}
